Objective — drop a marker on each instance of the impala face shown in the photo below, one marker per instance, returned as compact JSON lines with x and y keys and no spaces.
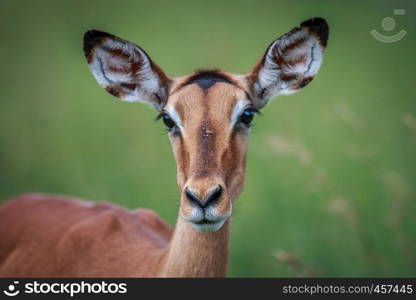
{"x":208,"y":114}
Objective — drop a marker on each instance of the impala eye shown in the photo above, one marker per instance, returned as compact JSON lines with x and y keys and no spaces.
{"x":248,"y":115}
{"x":168,"y":121}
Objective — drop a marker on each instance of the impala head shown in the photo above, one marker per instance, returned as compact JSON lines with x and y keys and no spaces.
{"x":208,"y":113}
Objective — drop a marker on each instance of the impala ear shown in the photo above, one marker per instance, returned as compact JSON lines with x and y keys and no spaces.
{"x":124,"y":69}
{"x":290,"y":62}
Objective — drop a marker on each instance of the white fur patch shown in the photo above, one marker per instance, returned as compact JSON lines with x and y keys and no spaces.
{"x":239,"y":107}
{"x":175,"y":116}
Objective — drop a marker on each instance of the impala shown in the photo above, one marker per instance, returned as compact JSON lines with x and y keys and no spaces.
{"x":208,"y":116}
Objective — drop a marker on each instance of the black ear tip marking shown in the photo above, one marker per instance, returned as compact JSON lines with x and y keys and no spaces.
{"x":320,"y":27}
{"x":93,"y":38}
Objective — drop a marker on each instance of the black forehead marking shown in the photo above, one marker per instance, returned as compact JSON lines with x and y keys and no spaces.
{"x":206,"y":79}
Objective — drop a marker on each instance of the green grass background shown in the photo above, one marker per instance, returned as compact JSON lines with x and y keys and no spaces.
{"x":330,"y":187}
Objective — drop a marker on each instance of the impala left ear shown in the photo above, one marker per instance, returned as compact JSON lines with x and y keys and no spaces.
{"x":290,"y":62}
{"x":124,"y":69}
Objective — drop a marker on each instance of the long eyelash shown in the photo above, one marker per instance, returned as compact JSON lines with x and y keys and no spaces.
{"x":256,"y":111}
{"x":159,"y":116}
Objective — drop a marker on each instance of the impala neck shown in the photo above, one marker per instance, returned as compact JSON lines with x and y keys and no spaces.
{"x":197,"y":254}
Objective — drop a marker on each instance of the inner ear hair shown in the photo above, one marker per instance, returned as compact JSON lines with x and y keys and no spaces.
{"x":291,"y":61}
{"x":124,"y":69}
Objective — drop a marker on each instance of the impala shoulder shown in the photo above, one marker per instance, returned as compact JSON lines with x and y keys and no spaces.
{"x":152,"y":220}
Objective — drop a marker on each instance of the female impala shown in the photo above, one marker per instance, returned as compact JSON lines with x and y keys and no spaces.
{"x":208,"y":114}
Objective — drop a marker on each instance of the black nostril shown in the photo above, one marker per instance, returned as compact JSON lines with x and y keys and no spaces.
{"x":192,"y":197}
{"x":212,"y":196}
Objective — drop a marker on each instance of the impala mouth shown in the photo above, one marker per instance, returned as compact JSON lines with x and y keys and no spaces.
{"x":206,"y":222}
{"x":208,"y":226}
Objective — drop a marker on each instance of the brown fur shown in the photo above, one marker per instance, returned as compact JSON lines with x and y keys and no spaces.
{"x":55,"y":236}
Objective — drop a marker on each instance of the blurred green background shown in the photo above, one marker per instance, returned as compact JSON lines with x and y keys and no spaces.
{"x":330,"y":187}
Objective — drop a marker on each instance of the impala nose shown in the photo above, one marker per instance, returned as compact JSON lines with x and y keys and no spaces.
{"x":211,"y":197}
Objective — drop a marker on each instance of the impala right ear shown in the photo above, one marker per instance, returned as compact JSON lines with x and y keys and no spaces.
{"x":124,"y":70}
{"x":290,"y":62}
